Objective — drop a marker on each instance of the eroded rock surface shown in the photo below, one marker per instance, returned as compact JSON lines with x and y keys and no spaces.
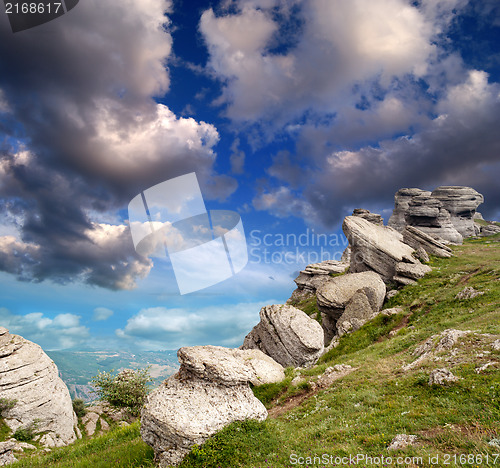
{"x":30,"y":377}
{"x":288,"y":335}
{"x":209,"y":392}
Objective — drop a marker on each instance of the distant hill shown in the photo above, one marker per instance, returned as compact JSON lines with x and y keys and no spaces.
{"x":77,"y":368}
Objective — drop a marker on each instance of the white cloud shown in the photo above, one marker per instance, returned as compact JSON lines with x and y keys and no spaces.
{"x":60,"y":332}
{"x":101,"y":314}
{"x":163,"y":328}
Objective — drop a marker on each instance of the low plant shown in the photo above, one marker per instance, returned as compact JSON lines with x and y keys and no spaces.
{"x":7,"y":404}
{"x":128,"y":389}
{"x":79,"y":407}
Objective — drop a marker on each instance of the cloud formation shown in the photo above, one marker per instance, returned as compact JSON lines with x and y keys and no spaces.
{"x":82,"y":135}
{"x":61,"y":332}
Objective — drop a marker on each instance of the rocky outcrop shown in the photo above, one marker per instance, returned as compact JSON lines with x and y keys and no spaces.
{"x":402,"y":200}
{"x":381,"y":249}
{"x":287,"y":335}
{"x":42,"y":401}
{"x":441,"y":377}
{"x":416,"y":238}
{"x":446,"y":213}
{"x":372,"y":217}
{"x":347,"y":302}
{"x":209,"y":392}
{"x":461,"y":203}
{"x":489,"y":230}
{"x":313,"y":276}
{"x":428,"y":214}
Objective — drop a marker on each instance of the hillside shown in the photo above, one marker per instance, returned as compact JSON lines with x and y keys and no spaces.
{"x":364,"y":410}
{"x":78,"y":367}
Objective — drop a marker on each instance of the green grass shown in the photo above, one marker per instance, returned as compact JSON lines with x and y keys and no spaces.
{"x":119,"y":448}
{"x":362,"y":412}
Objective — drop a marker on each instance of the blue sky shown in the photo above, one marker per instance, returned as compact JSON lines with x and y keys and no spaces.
{"x":291,"y":113}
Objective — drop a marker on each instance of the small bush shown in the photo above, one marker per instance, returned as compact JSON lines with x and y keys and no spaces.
{"x":27,"y":433}
{"x":7,"y":404}
{"x":79,"y":407}
{"x":128,"y":389}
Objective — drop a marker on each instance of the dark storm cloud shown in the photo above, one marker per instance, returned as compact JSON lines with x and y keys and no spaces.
{"x":82,"y":135}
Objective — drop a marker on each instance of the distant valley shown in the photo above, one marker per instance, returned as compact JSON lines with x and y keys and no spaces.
{"x":77,"y":368}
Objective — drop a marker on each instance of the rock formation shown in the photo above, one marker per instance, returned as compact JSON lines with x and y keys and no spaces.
{"x":446,"y":213}
{"x":209,"y":392}
{"x":372,"y":217}
{"x":416,"y":238}
{"x":30,"y":378}
{"x":287,"y":335}
{"x":347,"y":302}
{"x":313,"y":276}
{"x":381,"y":249}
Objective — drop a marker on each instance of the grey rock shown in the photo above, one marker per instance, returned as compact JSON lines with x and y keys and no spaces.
{"x":89,"y":421}
{"x":347,"y":302}
{"x":402,"y":199}
{"x":416,"y":238}
{"x":377,"y":248}
{"x":334,"y":373}
{"x":228,"y":366}
{"x":478,"y":215}
{"x":390,"y":294}
{"x":287,"y":335}
{"x":392,"y":311}
{"x":346,"y":255}
{"x":371,"y":217}
{"x":422,"y":255}
{"x":7,"y":453}
{"x":490,"y":230}
{"x":29,"y":376}
{"x":313,"y":276}
{"x":496,"y":345}
{"x":461,"y":203}
{"x":441,"y":377}
{"x":428,"y":214}
{"x":401,"y":441}
{"x":468,"y":293}
{"x":183,"y":412}
{"x":412,"y":270}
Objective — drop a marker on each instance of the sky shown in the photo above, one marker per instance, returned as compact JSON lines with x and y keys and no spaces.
{"x":291,"y":113}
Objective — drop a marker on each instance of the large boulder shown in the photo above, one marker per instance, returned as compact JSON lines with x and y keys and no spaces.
{"x":210,"y":391}
{"x":313,"y":276}
{"x":428,"y":214}
{"x":347,"y":302}
{"x":288,"y":335}
{"x":380,"y":249}
{"x":461,"y":203}
{"x":42,"y":400}
{"x":416,"y":238}
{"x":446,"y":213}
{"x":402,"y":200}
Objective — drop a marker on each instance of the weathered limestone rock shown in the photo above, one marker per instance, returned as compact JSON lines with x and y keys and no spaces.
{"x":402,"y":441}
{"x":402,"y":199}
{"x":209,"y":392}
{"x":446,"y":213}
{"x":7,"y":453}
{"x":29,"y":376}
{"x":334,"y":373}
{"x":372,"y":217}
{"x":461,"y":203}
{"x":313,"y":276}
{"x":347,"y":302}
{"x":441,"y":377}
{"x":230,"y":366}
{"x":416,"y":238}
{"x":380,"y":249}
{"x":428,"y":214}
{"x":490,"y":230}
{"x":288,"y":335}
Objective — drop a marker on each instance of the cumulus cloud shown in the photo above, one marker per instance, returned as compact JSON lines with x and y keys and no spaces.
{"x":83,"y":135}
{"x":334,"y":46}
{"x":458,"y":147}
{"x":101,"y":314}
{"x":60,"y":332}
{"x":163,"y":328}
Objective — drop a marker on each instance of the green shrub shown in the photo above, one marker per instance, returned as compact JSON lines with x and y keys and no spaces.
{"x":7,"y":404}
{"x":128,"y":389}
{"x":79,"y":407}
{"x":27,"y":433}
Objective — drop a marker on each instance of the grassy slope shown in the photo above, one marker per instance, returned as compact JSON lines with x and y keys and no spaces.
{"x":361,"y":413}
